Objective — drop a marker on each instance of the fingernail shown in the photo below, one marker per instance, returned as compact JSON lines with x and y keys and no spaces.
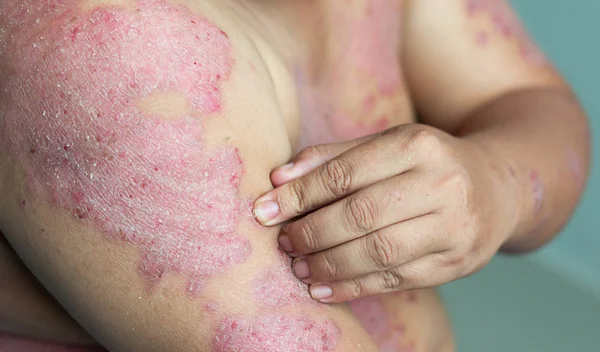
{"x":266,"y":211}
{"x":286,"y":244}
{"x":320,"y":292}
{"x":301,"y":269}
{"x":286,"y":167}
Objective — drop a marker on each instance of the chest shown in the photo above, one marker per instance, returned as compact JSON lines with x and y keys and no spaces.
{"x":352,"y":83}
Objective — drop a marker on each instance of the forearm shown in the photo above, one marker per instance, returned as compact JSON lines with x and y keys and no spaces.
{"x":536,"y":143}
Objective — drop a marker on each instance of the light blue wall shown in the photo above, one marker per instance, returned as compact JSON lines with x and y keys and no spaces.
{"x":569,"y":32}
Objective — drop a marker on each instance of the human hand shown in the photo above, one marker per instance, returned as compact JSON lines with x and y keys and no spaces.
{"x":412,"y":207}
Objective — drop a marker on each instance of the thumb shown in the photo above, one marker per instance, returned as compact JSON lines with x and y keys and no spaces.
{"x":312,"y":157}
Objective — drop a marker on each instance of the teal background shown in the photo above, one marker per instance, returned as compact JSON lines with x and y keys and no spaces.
{"x":550,"y":300}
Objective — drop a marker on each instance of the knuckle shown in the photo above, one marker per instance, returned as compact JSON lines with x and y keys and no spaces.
{"x":362,"y":213}
{"x":382,"y":251}
{"x":307,"y":234}
{"x":296,"y":202}
{"x":427,"y":142}
{"x":338,"y":176}
{"x":330,"y":265}
{"x":460,"y":182}
{"x":355,"y":288}
{"x":392,"y":280}
{"x":310,"y":152}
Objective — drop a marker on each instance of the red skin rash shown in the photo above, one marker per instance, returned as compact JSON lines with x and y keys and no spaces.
{"x":537,"y":190}
{"x":576,"y":168}
{"x":72,"y":121}
{"x":279,"y":287}
{"x":374,"y":317}
{"x":352,"y":98}
{"x":275,"y":333}
{"x":506,"y":24}
{"x":142,"y":179}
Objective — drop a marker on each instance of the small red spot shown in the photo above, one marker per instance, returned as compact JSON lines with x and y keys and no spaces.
{"x":73,"y":33}
{"x":80,"y":213}
{"x":369,"y":11}
{"x":482,"y":38}
{"x":224,"y":34}
{"x":369,"y":103}
{"x":472,"y":7}
{"x":77,"y":197}
{"x":32,"y":151}
{"x":66,"y":148}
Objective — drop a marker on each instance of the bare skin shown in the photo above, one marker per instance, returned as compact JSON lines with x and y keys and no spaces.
{"x":420,"y":205}
{"x":463,"y":112}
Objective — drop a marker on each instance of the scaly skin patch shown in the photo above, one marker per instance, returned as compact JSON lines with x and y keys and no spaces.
{"x":87,"y":118}
{"x":80,"y":119}
{"x":279,"y":287}
{"x":275,"y":333}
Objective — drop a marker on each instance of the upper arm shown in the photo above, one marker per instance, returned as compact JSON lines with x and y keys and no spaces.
{"x":133,"y":138}
{"x":460,"y":54}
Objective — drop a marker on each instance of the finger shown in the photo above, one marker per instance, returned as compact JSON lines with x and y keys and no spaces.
{"x":425,"y":272}
{"x":310,"y":158}
{"x":379,"y":251}
{"x":394,"y":200}
{"x":352,"y":170}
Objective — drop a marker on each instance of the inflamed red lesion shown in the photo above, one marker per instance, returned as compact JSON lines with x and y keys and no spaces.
{"x":98,"y":141}
{"x":505,"y":24}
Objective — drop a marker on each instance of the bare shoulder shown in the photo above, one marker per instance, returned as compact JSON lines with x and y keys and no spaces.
{"x":135,"y":135}
{"x":461,"y":53}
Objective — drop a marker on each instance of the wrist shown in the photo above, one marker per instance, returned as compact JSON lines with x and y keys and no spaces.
{"x":503,"y":190}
